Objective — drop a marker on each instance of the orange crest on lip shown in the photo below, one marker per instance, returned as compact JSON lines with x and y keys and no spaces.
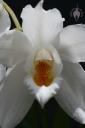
{"x":43,"y":74}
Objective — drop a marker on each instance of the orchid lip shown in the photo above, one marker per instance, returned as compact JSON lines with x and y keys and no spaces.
{"x":43,"y":73}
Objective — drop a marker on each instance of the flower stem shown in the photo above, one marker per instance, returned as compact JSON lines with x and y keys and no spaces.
{"x":13,"y":16}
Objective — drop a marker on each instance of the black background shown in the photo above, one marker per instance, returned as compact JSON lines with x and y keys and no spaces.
{"x":65,"y":6}
{"x":52,"y":113}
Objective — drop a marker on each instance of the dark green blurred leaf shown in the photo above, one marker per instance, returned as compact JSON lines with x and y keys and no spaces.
{"x":52,"y":116}
{"x":35,"y":118}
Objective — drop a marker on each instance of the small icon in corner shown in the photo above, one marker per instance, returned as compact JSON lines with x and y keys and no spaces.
{"x":76,"y":13}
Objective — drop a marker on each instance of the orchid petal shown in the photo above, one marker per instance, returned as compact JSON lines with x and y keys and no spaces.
{"x":15,"y":98}
{"x":14,"y":46}
{"x":72,"y":43}
{"x":71,"y":96}
{"x":39,"y":25}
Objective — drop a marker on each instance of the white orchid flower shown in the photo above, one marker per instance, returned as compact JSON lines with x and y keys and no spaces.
{"x":45,"y":58}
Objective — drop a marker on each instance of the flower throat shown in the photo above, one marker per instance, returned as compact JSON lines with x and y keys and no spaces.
{"x":43,"y":68}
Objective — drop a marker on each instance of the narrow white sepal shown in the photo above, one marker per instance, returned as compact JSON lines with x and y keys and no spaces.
{"x":45,"y":93}
{"x":79,"y":115}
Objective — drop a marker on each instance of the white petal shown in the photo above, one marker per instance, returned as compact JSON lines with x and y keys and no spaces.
{"x":72,"y":43}
{"x":15,"y":99}
{"x":72,"y":93}
{"x":80,"y":114}
{"x":39,"y":25}
{"x":14,"y":46}
{"x":5,"y":22}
